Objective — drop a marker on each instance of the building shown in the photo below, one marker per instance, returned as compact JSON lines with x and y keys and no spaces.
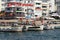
{"x":23,"y":8}
{"x":20,"y":8}
{"x":45,"y":9}
{"x":38,"y":8}
{"x":52,"y":5}
{"x":2,"y":5}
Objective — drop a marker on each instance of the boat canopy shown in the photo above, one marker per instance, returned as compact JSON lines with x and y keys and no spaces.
{"x":8,"y":20}
{"x":55,"y":14}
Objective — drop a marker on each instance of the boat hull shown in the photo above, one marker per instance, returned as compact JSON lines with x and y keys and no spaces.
{"x":11,"y":29}
{"x":48,"y":27}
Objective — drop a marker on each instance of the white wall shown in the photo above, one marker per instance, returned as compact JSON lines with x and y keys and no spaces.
{"x":0,"y":5}
{"x":38,"y":12}
{"x":53,"y":5}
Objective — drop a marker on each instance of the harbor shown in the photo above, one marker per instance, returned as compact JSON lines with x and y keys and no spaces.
{"x":29,"y":19}
{"x":14,"y":25}
{"x":26,"y":15}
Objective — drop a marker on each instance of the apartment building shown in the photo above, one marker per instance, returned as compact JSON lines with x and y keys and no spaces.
{"x":19,"y":7}
{"x":38,"y":8}
{"x":22,"y":8}
{"x":52,"y":5}
{"x":45,"y":9}
{"x":2,"y":5}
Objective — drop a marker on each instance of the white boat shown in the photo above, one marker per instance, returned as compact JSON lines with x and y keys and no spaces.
{"x":49,"y":27}
{"x":10,"y":29}
{"x":36,"y":28}
{"x":4,"y":26}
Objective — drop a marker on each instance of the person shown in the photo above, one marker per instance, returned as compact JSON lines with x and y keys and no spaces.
{"x":42,"y":20}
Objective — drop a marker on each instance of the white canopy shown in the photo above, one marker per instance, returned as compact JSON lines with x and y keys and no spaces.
{"x":49,"y":18}
{"x":55,"y":14}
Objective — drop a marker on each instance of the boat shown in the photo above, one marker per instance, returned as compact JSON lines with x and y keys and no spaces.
{"x":32,"y":25}
{"x":48,"y":27}
{"x":10,"y":26}
{"x":10,"y":29}
{"x":36,"y":28}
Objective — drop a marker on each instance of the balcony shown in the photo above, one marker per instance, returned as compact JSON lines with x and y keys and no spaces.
{"x":9,"y":11}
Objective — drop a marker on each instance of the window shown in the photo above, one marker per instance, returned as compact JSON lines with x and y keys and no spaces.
{"x":38,"y":8}
{"x":3,"y":4}
{"x":38,"y":3}
{"x":29,"y":1}
{"x":50,"y":4}
{"x":29,"y":10}
{"x":18,"y":0}
{"x":44,"y":6}
{"x":9,"y":0}
{"x":19,"y":9}
{"x":20,"y":14}
{"x":44,"y":9}
{"x":3,"y":0}
{"x":2,"y":8}
{"x":44,"y":14}
{"x":45,"y":0}
{"x":8,"y":9}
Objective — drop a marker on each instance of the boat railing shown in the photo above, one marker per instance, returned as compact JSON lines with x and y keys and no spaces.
{"x":11,"y":24}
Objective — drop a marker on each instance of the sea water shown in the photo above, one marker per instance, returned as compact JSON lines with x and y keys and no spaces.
{"x":31,"y":35}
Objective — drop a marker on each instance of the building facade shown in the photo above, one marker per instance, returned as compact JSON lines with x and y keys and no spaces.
{"x":45,"y":9}
{"x":2,"y":5}
{"x":38,"y":8}
{"x":22,"y":8}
